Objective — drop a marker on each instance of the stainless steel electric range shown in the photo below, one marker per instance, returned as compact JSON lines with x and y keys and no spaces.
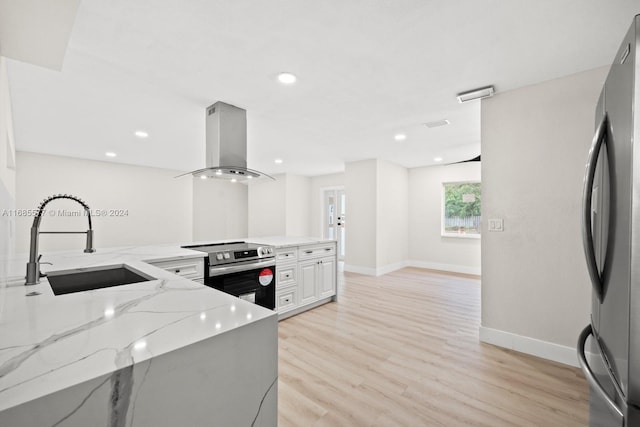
{"x":243,"y":269}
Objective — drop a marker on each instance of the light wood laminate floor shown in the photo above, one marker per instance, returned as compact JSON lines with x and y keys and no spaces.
{"x":402,"y":350}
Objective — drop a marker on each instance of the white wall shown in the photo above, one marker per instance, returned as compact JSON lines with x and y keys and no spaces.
{"x":280,"y":207}
{"x":7,"y":175}
{"x":427,"y":247}
{"x":219,"y":210}
{"x":360,"y":188}
{"x":267,"y":204}
{"x":316,"y":203}
{"x":158,"y":206}
{"x":377,"y":231}
{"x":298,"y":199}
{"x":534,"y":279}
{"x":392,"y":228}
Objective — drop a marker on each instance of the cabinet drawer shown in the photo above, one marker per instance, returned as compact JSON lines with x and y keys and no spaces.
{"x":286,"y":299}
{"x":286,"y":255}
{"x":286,"y":275}
{"x":316,"y":251}
{"x":192,"y":268}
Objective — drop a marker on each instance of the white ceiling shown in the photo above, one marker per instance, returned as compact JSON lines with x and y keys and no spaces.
{"x":36,"y":31}
{"x":367,"y":69}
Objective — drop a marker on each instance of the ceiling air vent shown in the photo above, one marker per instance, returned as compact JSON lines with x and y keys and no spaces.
{"x":471,"y":95}
{"x":437,"y":123}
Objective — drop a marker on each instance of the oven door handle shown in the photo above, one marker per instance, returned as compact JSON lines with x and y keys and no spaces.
{"x":219,"y":271}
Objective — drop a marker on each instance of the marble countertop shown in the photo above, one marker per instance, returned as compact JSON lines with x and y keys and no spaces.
{"x":283,"y":241}
{"x":48,"y":342}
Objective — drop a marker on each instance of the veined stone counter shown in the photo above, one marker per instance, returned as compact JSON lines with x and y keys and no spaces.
{"x":165,"y":352}
{"x":285,"y":241}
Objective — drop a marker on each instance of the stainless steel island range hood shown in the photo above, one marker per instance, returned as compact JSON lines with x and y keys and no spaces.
{"x":226,"y":143}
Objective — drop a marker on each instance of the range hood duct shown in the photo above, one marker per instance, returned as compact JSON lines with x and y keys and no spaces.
{"x":226,"y":144}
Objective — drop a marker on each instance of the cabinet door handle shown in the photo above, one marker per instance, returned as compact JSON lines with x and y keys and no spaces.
{"x":327,"y":249}
{"x":308,"y":252}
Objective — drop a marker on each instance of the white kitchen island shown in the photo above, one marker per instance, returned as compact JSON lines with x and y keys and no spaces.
{"x":166,"y":352}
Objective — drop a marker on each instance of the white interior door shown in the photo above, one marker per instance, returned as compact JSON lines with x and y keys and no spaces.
{"x":334,"y":217}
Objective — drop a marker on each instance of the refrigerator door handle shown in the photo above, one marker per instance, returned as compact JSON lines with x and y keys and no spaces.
{"x":591,"y":378}
{"x":587,"y":233}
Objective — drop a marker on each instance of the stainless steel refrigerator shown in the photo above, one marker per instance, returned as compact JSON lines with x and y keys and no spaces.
{"x":609,"y":348}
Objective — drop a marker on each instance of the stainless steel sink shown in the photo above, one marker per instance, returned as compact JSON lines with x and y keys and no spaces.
{"x":87,"y":279}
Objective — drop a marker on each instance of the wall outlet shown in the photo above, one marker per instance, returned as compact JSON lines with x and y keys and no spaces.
{"x":496,"y":225}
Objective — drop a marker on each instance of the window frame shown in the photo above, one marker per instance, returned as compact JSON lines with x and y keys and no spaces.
{"x":444,"y":233}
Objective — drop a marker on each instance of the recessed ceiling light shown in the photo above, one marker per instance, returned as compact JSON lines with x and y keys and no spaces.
{"x":437,"y":159}
{"x":287,"y":78}
{"x":278,"y":161}
{"x":110,"y":154}
{"x":400,"y":137}
{"x":437,"y":123}
{"x":141,"y":134}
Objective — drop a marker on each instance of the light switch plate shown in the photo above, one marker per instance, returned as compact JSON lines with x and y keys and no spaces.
{"x":496,"y":225}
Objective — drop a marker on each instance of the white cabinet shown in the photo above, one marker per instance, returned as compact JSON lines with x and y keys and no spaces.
{"x":286,"y":279}
{"x":287,"y":299}
{"x":287,"y":255}
{"x":189,"y":268}
{"x":316,"y":251}
{"x":317,"y":279}
{"x":305,"y":277}
{"x":327,"y":277}
{"x":308,"y":281}
{"x":286,"y":274}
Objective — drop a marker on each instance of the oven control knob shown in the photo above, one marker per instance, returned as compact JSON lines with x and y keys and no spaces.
{"x":219,"y":256}
{"x":226,"y":255}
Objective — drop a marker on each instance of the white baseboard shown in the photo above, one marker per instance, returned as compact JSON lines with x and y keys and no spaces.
{"x":371,"y":271}
{"x":544,"y":349}
{"x":367,"y":271}
{"x":389,"y":268}
{"x":444,"y":267}
{"x":379,"y":271}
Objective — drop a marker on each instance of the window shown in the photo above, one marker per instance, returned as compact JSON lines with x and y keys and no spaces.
{"x":461,"y":209}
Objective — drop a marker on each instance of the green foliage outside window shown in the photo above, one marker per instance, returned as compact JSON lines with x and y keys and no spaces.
{"x":462,"y":202}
